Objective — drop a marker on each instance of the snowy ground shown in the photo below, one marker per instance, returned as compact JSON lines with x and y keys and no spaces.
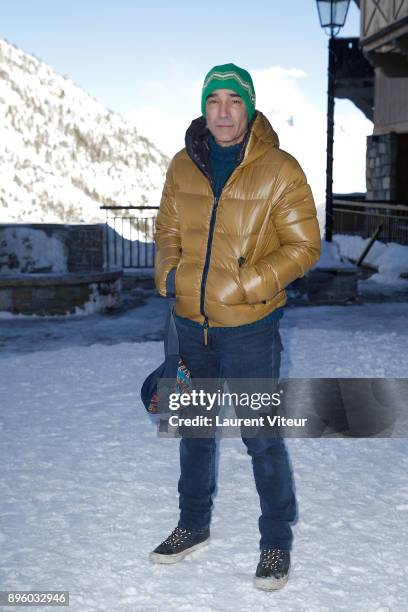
{"x":88,"y":489}
{"x":390,"y":259}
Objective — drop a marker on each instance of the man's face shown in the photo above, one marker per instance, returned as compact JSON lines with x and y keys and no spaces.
{"x":227,"y":117}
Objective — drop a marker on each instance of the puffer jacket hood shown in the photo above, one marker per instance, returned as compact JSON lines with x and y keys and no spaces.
{"x":260,"y":135}
{"x":235,"y":254}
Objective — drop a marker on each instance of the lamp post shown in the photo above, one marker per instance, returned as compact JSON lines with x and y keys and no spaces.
{"x":332,"y":15}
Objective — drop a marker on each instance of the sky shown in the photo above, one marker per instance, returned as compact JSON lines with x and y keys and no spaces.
{"x":147,"y":61}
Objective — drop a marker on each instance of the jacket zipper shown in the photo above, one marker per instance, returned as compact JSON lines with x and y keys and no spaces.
{"x":206,"y":267}
{"x":209,"y":241}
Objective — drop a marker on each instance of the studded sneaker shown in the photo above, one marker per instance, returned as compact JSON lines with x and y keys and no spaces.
{"x":180,"y":543}
{"x":272,"y":572}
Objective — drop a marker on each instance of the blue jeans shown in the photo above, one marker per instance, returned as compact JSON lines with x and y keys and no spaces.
{"x":247,"y":351}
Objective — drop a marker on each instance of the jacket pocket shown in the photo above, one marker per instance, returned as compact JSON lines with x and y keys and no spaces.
{"x":241,"y":261}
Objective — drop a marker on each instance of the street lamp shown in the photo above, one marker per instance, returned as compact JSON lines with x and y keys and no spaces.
{"x":332,"y":15}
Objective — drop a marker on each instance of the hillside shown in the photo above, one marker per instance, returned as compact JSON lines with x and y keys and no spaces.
{"x":62,"y":153}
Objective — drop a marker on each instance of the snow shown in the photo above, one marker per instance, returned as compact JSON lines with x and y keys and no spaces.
{"x":330,"y":257}
{"x":98,"y":301}
{"x":32,"y":249}
{"x":377,"y":287}
{"x":62,"y":153}
{"x":390,"y":259}
{"x":89,"y":489}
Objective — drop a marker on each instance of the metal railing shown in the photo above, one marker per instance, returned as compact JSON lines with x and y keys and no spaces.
{"x":363,"y":217}
{"x":129,"y":238}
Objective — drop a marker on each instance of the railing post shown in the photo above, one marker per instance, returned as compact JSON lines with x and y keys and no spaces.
{"x":107,"y":239}
{"x":143,"y":226}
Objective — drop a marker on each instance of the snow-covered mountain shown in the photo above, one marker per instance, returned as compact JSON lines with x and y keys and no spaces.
{"x":62,"y":153}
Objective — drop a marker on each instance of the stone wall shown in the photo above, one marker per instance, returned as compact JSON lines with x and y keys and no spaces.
{"x":381,"y":165}
{"x":50,"y":248}
{"x":56,"y":269}
{"x":85,"y":244}
{"x":59,"y":295}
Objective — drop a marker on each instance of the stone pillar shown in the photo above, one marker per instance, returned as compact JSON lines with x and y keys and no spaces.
{"x":381,"y":166}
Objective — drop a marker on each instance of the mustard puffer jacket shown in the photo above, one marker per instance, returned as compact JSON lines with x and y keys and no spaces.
{"x":234,"y":255}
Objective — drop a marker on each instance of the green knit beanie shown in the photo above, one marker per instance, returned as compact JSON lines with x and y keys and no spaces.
{"x":230,"y":76}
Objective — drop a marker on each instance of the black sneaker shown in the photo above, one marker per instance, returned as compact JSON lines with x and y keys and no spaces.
{"x":273,"y":569}
{"x":180,"y":543}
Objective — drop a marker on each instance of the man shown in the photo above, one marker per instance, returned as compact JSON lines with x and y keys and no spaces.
{"x":238,"y":222}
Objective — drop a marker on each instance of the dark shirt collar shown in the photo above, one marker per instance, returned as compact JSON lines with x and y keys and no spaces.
{"x":223,"y":153}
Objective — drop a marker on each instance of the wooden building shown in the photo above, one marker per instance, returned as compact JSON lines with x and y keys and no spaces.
{"x":372,"y":71}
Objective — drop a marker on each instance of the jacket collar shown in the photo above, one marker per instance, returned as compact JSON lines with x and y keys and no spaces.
{"x":259,"y":137}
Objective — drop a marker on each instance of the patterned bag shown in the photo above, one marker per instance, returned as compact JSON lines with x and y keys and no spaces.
{"x":172,"y":369}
